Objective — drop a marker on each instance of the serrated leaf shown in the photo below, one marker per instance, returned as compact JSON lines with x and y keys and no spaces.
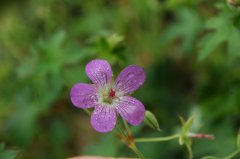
{"x":214,"y":22}
{"x":51,"y":46}
{"x":221,"y":27}
{"x":151,"y":120}
{"x":179,"y":29}
{"x":209,"y":43}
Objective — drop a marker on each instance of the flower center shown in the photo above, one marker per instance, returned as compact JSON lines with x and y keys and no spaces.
{"x":109,"y":97}
{"x":111,"y":94}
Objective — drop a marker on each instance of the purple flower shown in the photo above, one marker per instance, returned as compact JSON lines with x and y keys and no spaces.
{"x":110,"y":98}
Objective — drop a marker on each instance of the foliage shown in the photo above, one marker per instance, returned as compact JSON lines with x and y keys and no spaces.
{"x":189,"y":50}
{"x":7,"y":153}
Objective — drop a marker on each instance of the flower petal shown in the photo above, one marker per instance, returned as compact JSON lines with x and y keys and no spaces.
{"x":84,"y":95}
{"x":131,"y":109}
{"x":103,"y":118}
{"x":99,"y":71}
{"x":130,"y":79}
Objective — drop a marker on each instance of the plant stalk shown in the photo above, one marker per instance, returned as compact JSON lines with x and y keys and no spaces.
{"x":157,"y":139}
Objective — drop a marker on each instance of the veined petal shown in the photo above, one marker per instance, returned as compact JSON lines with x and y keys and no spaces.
{"x":131,"y":109}
{"x":83,"y":95}
{"x":99,"y":71}
{"x":130,"y":79}
{"x":103,"y":118}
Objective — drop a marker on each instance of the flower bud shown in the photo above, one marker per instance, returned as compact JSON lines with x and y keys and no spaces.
{"x":151,"y":120}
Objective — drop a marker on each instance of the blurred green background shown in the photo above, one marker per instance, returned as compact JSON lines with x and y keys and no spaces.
{"x":189,"y":49}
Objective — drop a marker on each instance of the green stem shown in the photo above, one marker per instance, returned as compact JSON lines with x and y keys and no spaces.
{"x":232,"y":154}
{"x":87,"y":111}
{"x":137,"y":152}
{"x":130,"y":140}
{"x":127,"y":127}
{"x":190,"y":156}
{"x":157,"y":139}
{"x":126,"y":134}
{"x":121,"y":130}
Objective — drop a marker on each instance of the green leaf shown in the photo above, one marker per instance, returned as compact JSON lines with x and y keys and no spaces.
{"x":238,"y":139}
{"x":151,"y":120}
{"x":179,"y":29}
{"x":233,"y":43}
{"x":2,"y":145}
{"x":220,"y":26}
{"x":50,"y":49}
{"x":73,"y":53}
{"x":8,"y":154}
{"x":23,"y":133}
{"x":209,"y":43}
{"x":57,"y":39}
